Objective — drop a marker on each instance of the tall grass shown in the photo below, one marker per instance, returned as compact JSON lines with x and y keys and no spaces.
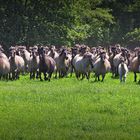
{"x":68,"y":109}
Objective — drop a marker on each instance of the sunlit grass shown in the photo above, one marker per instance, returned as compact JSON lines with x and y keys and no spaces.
{"x":69,"y":109}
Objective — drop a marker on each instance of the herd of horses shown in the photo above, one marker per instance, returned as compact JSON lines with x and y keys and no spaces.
{"x":79,"y":59}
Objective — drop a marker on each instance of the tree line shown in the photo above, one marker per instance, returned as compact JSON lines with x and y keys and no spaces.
{"x":67,"y":22}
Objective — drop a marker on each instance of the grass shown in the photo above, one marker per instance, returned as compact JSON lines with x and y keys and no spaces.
{"x":67,"y":109}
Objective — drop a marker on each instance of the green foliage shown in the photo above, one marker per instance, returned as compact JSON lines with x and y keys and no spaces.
{"x":133,"y":37}
{"x":89,"y":22}
{"x":65,"y":22}
{"x":78,"y":33}
{"x":51,"y":22}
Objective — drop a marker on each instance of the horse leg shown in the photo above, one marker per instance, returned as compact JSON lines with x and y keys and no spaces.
{"x":37,"y":74}
{"x":103,"y":76}
{"x":45,"y":76}
{"x":98,"y":76}
{"x":40,"y":76}
{"x":135,"y":77}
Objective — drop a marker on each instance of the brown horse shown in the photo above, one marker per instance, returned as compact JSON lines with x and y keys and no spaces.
{"x":135,"y":66}
{"x":46,"y":64}
{"x":4,"y":66}
{"x":17,"y":64}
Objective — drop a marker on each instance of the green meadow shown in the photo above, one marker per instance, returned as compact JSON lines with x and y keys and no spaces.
{"x":68,"y":109}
